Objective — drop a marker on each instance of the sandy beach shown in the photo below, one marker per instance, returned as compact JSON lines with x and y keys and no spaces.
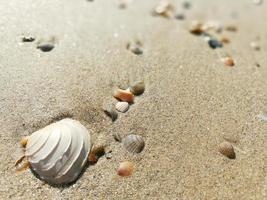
{"x":191,"y":103}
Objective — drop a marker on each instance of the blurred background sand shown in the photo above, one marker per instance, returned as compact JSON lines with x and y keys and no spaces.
{"x":191,"y":103}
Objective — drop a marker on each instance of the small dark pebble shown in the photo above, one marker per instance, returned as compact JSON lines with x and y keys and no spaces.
{"x":180,"y":16}
{"x":213,"y":43}
{"x":28,"y":39}
{"x":186,"y":5}
{"x":257,"y":65}
{"x":46,"y":47}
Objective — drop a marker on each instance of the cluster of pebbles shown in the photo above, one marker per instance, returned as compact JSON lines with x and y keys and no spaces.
{"x":166,"y":9}
{"x":211,"y":32}
{"x":43,"y":45}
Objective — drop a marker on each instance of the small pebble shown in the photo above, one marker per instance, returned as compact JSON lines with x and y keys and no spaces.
{"x":179,"y":16}
{"x":125,"y":168}
{"x":138,"y":88}
{"x":255,"y":45}
{"x":28,"y":39}
{"x":45,"y":47}
{"x":225,"y":39}
{"x":227,"y":150}
{"x":228,"y":61}
{"x":186,"y":4}
{"x":257,"y":2}
{"x":214,"y":43}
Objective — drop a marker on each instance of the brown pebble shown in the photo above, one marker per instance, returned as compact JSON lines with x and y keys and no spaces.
{"x":125,"y":168}
{"x":138,"y":88}
{"x":228,"y":61}
{"x":227,"y":150}
{"x":225,"y":39}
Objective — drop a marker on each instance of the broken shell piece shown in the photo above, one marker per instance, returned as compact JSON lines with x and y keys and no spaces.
{"x":138,"y":88}
{"x":133,"y":143}
{"x":125,"y":168}
{"x":135,"y":47}
{"x":263,"y":116}
{"x":227,"y":150}
{"x":122,"y":106}
{"x":23,"y":141}
{"x":164,"y":8}
{"x":228,"y":61}
{"x":124,"y":95}
{"x":28,"y":39}
{"x":231,"y":27}
{"x":59,"y":151}
{"x":196,"y":27}
{"x":95,"y":153}
{"x":255,"y":45}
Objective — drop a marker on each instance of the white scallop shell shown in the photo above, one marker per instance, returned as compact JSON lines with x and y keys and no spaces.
{"x":58,"y":152}
{"x":122,"y":106}
{"x":133,"y":143}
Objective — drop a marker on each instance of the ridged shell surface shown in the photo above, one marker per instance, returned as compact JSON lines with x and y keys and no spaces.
{"x":58,"y":152}
{"x":122,"y":106}
{"x":133,"y":143}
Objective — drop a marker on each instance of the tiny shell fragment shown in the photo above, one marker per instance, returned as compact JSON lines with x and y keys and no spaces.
{"x":228,"y":61}
{"x":255,"y":45}
{"x":125,"y":168}
{"x":95,"y":153}
{"x":227,"y":150}
{"x":164,"y":8}
{"x":138,"y":88}
{"x":135,"y":47}
{"x":28,"y":39}
{"x":124,"y":95}
{"x":231,"y":28}
{"x":23,"y":141}
{"x":196,"y":27}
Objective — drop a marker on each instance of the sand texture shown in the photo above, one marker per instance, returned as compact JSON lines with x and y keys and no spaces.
{"x":191,"y":104}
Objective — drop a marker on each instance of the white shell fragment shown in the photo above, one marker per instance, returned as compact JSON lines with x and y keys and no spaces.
{"x":58,"y":152}
{"x":133,"y":143}
{"x":122,"y":106}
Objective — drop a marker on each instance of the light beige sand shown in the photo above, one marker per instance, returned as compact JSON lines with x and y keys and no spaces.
{"x":191,"y":103}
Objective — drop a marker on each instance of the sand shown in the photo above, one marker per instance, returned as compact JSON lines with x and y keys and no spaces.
{"x":192,"y":101}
